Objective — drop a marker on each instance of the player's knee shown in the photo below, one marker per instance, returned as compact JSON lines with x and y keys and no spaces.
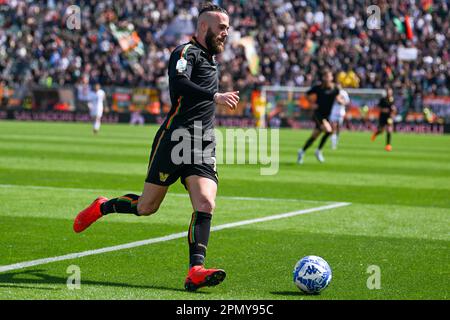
{"x":146,"y":209}
{"x":206,"y":205}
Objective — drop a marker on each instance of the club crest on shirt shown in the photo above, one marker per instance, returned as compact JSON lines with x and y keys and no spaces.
{"x":163,"y":176}
{"x":181,"y":65}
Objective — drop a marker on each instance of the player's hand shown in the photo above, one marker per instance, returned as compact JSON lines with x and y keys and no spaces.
{"x":229,"y":99}
{"x":340,"y":99}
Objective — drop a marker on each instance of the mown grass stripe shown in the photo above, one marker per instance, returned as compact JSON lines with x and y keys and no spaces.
{"x":32,"y":263}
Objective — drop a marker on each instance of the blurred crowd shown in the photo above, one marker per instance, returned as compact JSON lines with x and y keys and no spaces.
{"x":293,"y":41}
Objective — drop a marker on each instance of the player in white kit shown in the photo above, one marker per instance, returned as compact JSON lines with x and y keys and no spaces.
{"x":96,"y":107}
{"x":337,"y":117}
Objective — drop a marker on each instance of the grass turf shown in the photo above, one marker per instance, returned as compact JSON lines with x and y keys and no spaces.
{"x":398,"y":219}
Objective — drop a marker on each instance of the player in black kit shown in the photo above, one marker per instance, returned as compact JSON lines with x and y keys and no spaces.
{"x":323,"y":96}
{"x":385,"y":121}
{"x":193,"y":85}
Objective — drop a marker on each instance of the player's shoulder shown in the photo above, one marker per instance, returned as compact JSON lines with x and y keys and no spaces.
{"x":315,"y":87}
{"x":185,"y":49}
{"x":336,"y":88}
{"x":383,"y":100}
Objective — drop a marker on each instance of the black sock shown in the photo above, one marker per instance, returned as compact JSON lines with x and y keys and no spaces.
{"x":124,"y":204}
{"x":323,"y":140}
{"x":308,"y":143}
{"x":198,"y":237}
{"x":388,"y":138}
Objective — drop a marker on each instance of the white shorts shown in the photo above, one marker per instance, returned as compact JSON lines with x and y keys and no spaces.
{"x":337,"y":118}
{"x":96,"y":112}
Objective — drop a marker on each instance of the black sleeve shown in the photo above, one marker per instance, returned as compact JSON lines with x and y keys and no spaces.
{"x":182,"y":61}
{"x":312,"y":90}
{"x":180,"y":70}
{"x":336,"y":91}
{"x":184,"y":87}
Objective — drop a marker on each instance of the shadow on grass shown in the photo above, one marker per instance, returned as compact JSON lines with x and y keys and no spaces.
{"x":12,"y":286}
{"x":292,"y":293}
{"x":40,"y":277}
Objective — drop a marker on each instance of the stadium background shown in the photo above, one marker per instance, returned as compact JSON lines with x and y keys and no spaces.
{"x":396,"y":203}
{"x":47,"y":67}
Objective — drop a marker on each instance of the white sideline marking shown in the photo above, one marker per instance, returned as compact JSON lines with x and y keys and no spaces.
{"x":171,"y":194}
{"x":173,"y":236}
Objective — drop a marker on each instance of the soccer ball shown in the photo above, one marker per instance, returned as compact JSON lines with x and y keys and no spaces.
{"x":312,"y":274}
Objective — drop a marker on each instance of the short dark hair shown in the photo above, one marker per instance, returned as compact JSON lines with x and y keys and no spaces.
{"x":211,"y":7}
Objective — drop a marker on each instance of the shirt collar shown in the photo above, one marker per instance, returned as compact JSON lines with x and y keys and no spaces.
{"x":195,"y":42}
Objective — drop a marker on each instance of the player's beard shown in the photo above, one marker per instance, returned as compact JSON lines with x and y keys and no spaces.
{"x":213,"y":43}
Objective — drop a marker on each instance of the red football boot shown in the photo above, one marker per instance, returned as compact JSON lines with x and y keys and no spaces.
{"x":388,"y":147}
{"x":89,"y":215}
{"x":373,"y":137}
{"x":199,"y":277}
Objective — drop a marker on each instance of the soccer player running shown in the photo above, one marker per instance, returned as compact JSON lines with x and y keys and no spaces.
{"x":193,"y":86}
{"x":96,"y":107}
{"x":337,"y":117}
{"x":385,"y":121}
{"x":322,"y":96}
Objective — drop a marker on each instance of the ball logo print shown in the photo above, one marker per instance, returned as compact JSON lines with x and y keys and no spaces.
{"x":310,"y":270}
{"x":312,"y":274}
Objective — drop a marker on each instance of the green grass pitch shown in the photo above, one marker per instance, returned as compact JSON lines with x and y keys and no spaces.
{"x":398,"y":219}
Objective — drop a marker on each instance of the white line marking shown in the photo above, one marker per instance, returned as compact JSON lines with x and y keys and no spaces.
{"x":169,"y":237}
{"x":185,"y":195}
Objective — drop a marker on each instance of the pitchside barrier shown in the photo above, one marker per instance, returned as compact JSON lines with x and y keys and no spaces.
{"x":285,"y":106}
{"x":271,"y":106}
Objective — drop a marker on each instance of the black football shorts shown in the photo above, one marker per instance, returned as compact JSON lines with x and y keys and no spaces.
{"x":384,"y":121}
{"x":164,"y":172}
{"x":318,"y":121}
